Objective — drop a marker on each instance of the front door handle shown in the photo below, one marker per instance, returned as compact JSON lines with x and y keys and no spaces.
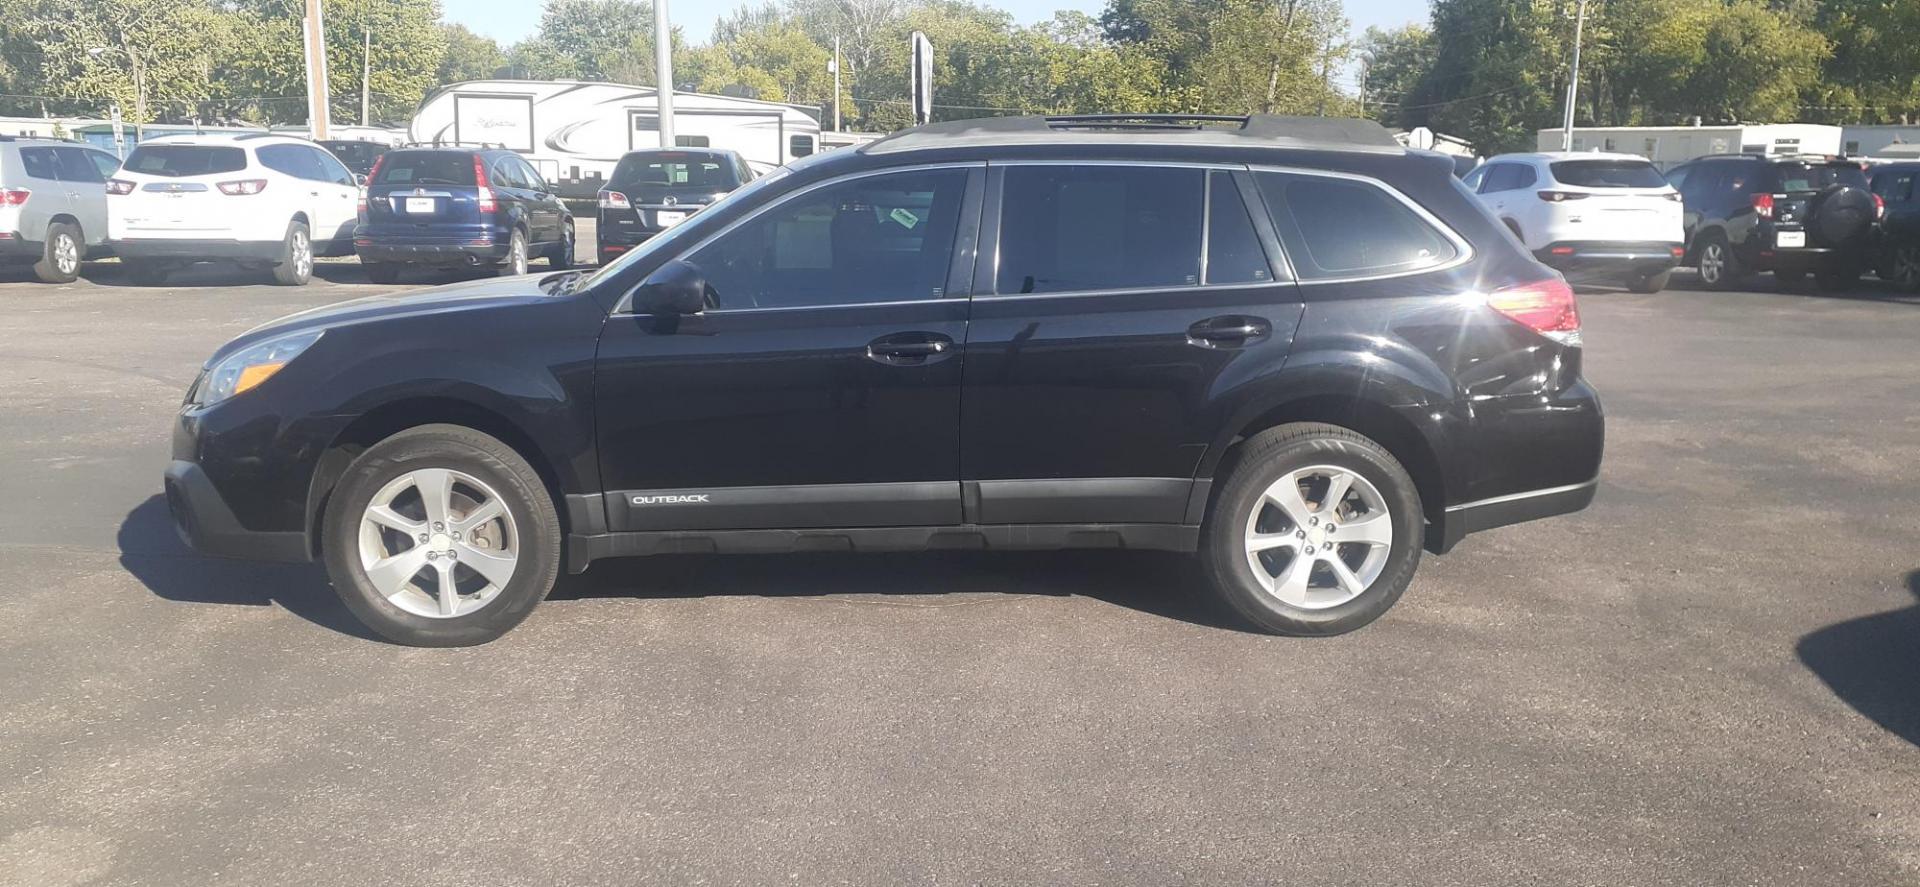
{"x":1232,"y":331}
{"x":909,"y":349}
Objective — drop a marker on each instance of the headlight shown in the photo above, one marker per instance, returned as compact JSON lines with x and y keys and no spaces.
{"x":250,"y":367}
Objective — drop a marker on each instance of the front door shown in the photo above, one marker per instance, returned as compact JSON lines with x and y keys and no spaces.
{"x":821,"y":388}
{"x":1122,"y":297}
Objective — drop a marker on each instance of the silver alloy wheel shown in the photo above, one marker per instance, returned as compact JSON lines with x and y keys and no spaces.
{"x":1713,"y":263}
{"x":517,"y":255}
{"x":438,"y":543}
{"x":66,"y":254}
{"x":1319,"y":537}
{"x":301,"y":254}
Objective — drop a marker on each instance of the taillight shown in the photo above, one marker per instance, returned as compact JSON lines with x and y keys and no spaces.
{"x":1562,"y":196}
{"x":242,"y":187}
{"x":1547,"y":307}
{"x":1763,"y":205}
{"x":614,"y":200}
{"x":14,"y":197}
{"x":1879,"y":207}
{"x":119,"y":186}
{"x":485,"y":194}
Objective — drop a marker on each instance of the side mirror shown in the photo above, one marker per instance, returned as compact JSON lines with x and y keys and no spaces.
{"x":360,"y":180}
{"x":673,"y":289}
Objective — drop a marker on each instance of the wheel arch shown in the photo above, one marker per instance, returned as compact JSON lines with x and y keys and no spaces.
{"x":395,"y":416}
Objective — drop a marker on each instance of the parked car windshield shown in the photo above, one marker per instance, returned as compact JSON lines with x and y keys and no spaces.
{"x":1608,"y":174}
{"x":1819,"y":176}
{"x":176,"y":161}
{"x":674,"y":169}
{"x":426,"y":168}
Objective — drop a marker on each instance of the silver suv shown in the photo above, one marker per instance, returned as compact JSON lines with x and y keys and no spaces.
{"x":53,"y":204}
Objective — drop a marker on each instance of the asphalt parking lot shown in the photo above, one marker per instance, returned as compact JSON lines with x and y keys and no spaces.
{"x":1712,"y":677}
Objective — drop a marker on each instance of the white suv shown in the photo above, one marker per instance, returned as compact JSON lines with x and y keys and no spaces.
{"x":267,"y":201}
{"x":1610,"y":216}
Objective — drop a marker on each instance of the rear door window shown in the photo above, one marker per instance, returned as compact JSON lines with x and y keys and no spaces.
{"x":180,"y":161}
{"x":1343,"y":228}
{"x":1080,"y":228}
{"x":426,"y":168}
{"x":76,"y":166}
{"x":505,"y":173}
{"x":1608,"y":174}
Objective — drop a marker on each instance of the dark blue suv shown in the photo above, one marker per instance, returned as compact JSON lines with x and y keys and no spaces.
{"x":450,"y":207}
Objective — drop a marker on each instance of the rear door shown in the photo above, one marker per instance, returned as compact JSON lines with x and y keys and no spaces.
{"x":1808,"y":209}
{"x":421,"y":189}
{"x":49,"y":195}
{"x":1615,"y":200}
{"x":86,"y":189}
{"x":1112,"y":301}
{"x":548,"y":208}
{"x":176,"y":194}
{"x":337,"y":193}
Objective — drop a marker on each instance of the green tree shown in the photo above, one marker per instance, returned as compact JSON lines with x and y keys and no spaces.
{"x":154,"y":58}
{"x":469,"y":55}
{"x":1392,"y":63}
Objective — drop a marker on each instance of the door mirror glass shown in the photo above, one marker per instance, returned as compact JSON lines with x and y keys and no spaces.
{"x":674,"y":289}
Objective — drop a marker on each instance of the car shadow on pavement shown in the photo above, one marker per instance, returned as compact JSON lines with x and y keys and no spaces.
{"x":1873,"y":664}
{"x":1167,"y":586}
{"x":151,"y":552}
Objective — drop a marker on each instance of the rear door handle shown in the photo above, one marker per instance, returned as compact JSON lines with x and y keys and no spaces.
{"x":1228,"y":332}
{"x":909,"y":349}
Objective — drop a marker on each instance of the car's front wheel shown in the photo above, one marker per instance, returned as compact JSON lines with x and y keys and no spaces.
{"x":1316,"y":531}
{"x":441,"y":536}
{"x":562,"y":255}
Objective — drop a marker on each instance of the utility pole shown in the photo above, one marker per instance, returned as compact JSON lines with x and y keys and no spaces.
{"x":836,"y":84}
{"x":366,"y":68}
{"x":663,"y":70}
{"x":317,"y":98}
{"x":1573,"y":77}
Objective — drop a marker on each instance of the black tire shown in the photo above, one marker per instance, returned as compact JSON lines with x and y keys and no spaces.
{"x":146,"y":272}
{"x":61,"y":254}
{"x":1905,"y":272}
{"x":1649,"y":283}
{"x":516,"y":261}
{"x":485,"y":459}
{"x":1720,"y":267}
{"x":561,"y":258}
{"x":383,"y":272}
{"x":1257,"y":464}
{"x":295,"y":266}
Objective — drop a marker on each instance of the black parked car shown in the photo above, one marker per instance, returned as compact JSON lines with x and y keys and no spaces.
{"x":459,"y":206}
{"x":1289,"y":346}
{"x":358,"y":156}
{"x":653,"y":190}
{"x":1899,"y":255}
{"x":1789,"y":215}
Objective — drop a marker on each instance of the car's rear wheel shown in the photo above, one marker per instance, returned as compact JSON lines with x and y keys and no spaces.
{"x":1649,"y":283}
{"x":383,"y":272}
{"x":441,"y":536}
{"x":1315,"y":531}
{"x":516,"y":261}
{"x":1719,"y":268}
{"x":562,"y":255}
{"x":295,"y":266}
{"x":61,"y":254}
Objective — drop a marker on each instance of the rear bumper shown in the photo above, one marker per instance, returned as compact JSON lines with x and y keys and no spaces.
{"x":471,"y":247}
{"x":1637,"y":257}
{"x":207,"y":524}
{"x":194,"y":250}
{"x":1500,"y":511}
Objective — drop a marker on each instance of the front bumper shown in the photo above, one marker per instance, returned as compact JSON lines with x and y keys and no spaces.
{"x":197,"y":250}
{"x":206,"y":523}
{"x":1634,"y":257}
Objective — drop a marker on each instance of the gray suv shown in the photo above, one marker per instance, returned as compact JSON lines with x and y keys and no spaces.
{"x":53,"y":205}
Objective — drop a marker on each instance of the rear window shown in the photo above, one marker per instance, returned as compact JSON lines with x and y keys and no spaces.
{"x":1818,"y":176}
{"x":426,"y":168}
{"x":674,"y":169}
{"x":177,"y":161}
{"x":1608,"y":174}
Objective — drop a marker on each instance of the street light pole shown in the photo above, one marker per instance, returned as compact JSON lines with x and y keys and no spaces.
{"x":663,"y":71}
{"x":1573,"y":77}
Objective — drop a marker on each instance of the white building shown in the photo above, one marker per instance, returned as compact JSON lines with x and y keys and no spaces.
{"x":1865,"y":140}
{"x":1669,"y":146}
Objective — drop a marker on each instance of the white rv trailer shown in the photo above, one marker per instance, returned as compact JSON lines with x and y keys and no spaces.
{"x":1670,"y":146}
{"x":574,"y":131}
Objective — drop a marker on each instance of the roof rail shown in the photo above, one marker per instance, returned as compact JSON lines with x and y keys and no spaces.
{"x":454,"y":144}
{"x":1324,"y":133}
{"x":29,"y":138}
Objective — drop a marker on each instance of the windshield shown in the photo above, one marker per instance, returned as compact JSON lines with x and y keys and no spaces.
{"x":1819,"y":177}
{"x":176,"y":161}
{"x":426,"y":168}
{"x":674,"y":169}
{"x":1608,"y":174}
{"x":674,"y":236}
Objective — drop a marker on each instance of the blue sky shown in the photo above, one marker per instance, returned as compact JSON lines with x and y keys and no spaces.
{"x":508,"y":22}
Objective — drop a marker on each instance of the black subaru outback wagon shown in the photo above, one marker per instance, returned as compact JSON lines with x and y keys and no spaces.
{"x":1287,"y":345}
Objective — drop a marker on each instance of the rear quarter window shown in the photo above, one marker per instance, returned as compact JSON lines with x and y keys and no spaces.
{"x":178,"y":161}
{"x":426,"y":168}
{"x":1341,"y":228}
{"x":1608,"y":174}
